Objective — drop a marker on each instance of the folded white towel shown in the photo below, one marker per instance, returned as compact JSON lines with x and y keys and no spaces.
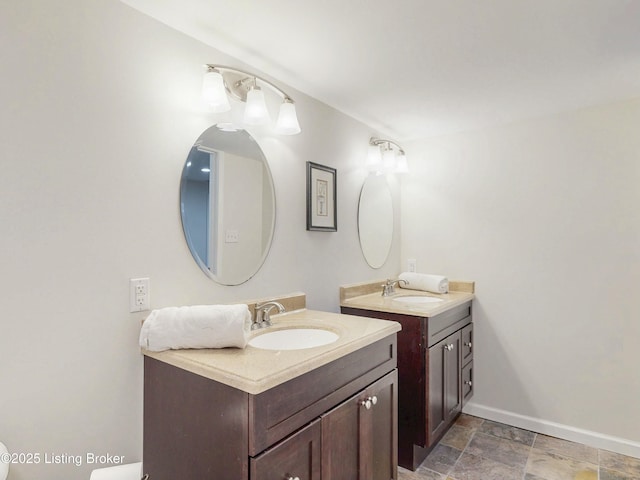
{"x":198,"y":326}
{"x":426,"y":282}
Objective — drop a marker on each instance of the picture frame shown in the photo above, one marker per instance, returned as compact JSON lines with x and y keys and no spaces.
{"x":322,"y":205}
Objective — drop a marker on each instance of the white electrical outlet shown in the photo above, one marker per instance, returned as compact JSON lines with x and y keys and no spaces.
{"x":139,"y":294}
{"x":411,"y":264}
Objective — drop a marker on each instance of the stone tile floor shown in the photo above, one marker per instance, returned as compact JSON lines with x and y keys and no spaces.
{"x":478,"y":449}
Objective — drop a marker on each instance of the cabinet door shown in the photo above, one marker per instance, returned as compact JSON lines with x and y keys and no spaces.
{"x":296,"y":457}
{"x":359,"y":436}
{"x":382,"y":445}
{"x":445,"y":396}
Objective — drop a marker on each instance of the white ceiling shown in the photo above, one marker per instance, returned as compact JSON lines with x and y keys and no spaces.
{"x":418,"y":68}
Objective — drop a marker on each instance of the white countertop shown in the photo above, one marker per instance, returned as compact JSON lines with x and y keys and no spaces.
{"x":255,"y":370}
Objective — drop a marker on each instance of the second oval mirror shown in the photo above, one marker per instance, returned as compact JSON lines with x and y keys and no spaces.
{"x":375,"y":220}
{"x":227,"y":203}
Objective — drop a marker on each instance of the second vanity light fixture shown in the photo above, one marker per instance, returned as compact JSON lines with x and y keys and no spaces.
{"x":385,"y":156}
{"x":220,"y":82}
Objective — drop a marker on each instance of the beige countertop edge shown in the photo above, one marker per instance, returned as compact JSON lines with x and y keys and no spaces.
{"x":377,"y":302}
{"x":348,"y":292}
{"x":254,"y":370}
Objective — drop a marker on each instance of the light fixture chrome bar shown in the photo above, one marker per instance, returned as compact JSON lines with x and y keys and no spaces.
{"x":221,"y":82}
{"x":239,"y":82}
{"x":376,"y":142}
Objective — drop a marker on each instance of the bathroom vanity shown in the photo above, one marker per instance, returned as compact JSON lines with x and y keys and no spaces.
{"x":321,"y":413}
{"x":435,"y":358}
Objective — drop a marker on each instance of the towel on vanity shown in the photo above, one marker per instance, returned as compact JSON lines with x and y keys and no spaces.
{"x":426,"y":282}
{"x":198,"y":326}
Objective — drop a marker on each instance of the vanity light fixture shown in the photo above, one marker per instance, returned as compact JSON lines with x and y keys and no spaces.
{"x":220,"y":83}
{"x":385,"y":156}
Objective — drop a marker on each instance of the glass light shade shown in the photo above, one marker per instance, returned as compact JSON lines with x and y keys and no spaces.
{"x":287,"y":123}
{"x":402,"y":165}
{"x":213,"y":92}
{"x":255,"y":112}
{"x":374,"y":159}
{"x":389,"y":160}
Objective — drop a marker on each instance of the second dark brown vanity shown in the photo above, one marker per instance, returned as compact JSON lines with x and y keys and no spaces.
{"x":435,"y":364}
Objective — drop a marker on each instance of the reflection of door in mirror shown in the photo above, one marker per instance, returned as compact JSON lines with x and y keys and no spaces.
{"x":199,"y":193}
{"x":227,"y":205}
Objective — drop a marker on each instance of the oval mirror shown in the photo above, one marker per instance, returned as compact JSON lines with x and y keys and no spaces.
{"x":375,"y":220}
{"x":227,"y":204}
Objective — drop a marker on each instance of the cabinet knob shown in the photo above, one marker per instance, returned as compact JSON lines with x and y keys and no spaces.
{"x":468,"y":382}
{"x":467,"y":344}
{"x":369,"y":402}
{"x":449,"y":347}
{"x":293,"y":478}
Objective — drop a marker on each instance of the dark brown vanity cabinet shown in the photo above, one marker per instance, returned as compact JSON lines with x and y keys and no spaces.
{"x":435,"y":368}
{"x":337,"y":422}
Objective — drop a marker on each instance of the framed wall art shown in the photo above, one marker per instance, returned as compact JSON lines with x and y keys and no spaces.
{"x":322,"y":207}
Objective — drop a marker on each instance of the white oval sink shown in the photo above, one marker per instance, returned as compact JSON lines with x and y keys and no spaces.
{"x":293,"y":339}
{"x":417,"y":300}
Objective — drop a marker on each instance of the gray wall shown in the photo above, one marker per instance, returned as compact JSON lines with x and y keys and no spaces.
{"x":99,"y":111}
{"x":544,"y":215}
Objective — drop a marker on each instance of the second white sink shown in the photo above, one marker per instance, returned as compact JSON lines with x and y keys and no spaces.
{"x":417,"y":300}
{"x":293,"y":339}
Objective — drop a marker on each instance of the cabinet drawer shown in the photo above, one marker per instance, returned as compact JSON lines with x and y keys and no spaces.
{"x":444,"y":324}
{"x":467,"y":382}
{"x":285,"y":408}
{"x":298,"y":456}
{"x":467,"y":344}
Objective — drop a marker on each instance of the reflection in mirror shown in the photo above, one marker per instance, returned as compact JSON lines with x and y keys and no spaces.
{"x":375,"y":220}
{"x":227,"y":203}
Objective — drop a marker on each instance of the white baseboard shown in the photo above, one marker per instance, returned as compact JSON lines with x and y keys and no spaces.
{"x":566,"y":432}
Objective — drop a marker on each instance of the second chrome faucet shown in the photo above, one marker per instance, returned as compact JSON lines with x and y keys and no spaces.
{"x":388,"y":288}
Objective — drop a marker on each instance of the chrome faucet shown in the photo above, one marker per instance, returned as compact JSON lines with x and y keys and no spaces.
{"x":388,"y":288}
{"x":263,"y":314}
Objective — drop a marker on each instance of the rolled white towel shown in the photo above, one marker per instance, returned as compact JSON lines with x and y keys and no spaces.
{"x":198,"y":326}
{"x":426,"y":282}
